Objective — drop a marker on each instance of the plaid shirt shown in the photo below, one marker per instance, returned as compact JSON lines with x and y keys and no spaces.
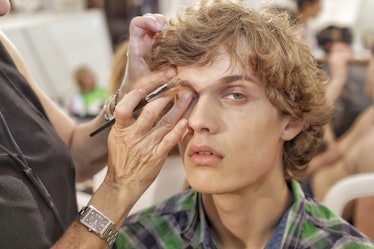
{"x":180,"y":222}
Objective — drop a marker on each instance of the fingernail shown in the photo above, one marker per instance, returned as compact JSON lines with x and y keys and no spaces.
{"x":183,"y":123}
{"x":171,"y":73}
{"x":142,"y":91}
{"x":160,"y":27}
{"x":186,"y":96}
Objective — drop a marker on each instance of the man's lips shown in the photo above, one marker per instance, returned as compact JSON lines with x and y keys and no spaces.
{"x":203,"y":155}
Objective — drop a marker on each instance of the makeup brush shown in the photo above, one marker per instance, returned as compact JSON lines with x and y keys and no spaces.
{"x":174,"y":82}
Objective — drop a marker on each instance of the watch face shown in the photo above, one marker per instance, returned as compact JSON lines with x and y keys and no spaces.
{"x":96,"y":220}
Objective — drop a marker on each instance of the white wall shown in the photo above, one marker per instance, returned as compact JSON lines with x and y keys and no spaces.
{"x":356,"y":14}
{"x":55,"y":44}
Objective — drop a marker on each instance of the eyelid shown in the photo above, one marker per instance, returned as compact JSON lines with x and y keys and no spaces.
{"x":235,"y":89}
{"x":230,"y":89}
{"x":231,"y":96}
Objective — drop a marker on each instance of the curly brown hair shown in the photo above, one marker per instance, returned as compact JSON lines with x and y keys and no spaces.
{"x":265,"y":43}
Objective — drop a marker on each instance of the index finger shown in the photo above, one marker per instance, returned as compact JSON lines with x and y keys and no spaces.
{"x":142,"y":25}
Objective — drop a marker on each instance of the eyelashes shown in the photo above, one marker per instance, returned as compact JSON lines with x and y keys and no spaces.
{"x":229,"y":94}
{"x":233,"y":93}
{"x":235,"y":96}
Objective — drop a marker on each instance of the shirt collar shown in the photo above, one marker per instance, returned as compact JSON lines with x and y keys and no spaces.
{"x":296,"y":218}
{"x":196,"y":234}
{"x":192,"y":221}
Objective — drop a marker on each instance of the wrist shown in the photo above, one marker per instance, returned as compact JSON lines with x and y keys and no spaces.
{"x":349,"y":165}
{"x":110,"y":105}
{"x":114,"y":200}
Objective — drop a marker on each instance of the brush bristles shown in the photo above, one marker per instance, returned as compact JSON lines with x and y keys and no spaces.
{"x":173,"y":82}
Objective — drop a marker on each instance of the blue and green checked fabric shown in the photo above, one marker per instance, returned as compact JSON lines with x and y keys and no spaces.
{"x":180,"y":222}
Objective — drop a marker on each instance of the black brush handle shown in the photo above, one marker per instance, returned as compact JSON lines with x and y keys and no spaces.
{"x":111,"y":122}
{"x":141,"y":104}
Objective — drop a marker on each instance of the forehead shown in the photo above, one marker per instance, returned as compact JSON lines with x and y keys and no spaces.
{"x":220,"y":71}
{"x":217,"y":68}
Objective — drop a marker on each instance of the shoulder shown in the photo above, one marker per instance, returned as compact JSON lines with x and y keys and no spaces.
{"x":329,"y":230}
{"x":312,"y":225}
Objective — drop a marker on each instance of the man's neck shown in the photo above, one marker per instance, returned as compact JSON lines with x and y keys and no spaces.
{"x":246,"y":220}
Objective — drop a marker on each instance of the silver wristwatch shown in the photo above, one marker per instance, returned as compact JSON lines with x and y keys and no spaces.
{"x":98,"y":223}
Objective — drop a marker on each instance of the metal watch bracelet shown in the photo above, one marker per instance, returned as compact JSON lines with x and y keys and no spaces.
{"x":97,"y":222}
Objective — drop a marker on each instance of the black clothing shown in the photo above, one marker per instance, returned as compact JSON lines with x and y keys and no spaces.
{"x":27,"y":139}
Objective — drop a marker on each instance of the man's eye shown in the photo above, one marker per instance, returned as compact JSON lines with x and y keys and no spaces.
{"x":235,"y":96}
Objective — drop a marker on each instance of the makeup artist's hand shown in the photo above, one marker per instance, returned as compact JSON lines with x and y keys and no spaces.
{"x":338,"y":61}
{"x":144,"y":30}
{"x":359,"y":155}
{"x":138,"y":148}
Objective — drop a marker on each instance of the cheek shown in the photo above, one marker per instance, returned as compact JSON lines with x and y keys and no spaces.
{"x":258,"y":137}
{"x":261,"y":121}
{"x":255,"y":146}
{"x":256,"y":156}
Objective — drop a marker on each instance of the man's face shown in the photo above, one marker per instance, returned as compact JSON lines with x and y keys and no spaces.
{"x":236,"y":135}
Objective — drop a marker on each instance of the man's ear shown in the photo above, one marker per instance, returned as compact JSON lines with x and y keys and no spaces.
{"x":292,"y":128}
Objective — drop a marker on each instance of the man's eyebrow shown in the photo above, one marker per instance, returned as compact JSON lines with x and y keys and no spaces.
{"x":224,"y":80}
{"x":236,"y":77}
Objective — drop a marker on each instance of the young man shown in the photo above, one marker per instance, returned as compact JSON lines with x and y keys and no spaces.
{"x":256,"y":119}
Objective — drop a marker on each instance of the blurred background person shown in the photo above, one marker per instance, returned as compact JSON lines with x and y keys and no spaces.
{"x":350,"y":153}
{"x":119,"y":14}
{"x":91,"y":98}
{"x":307,"y":10}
